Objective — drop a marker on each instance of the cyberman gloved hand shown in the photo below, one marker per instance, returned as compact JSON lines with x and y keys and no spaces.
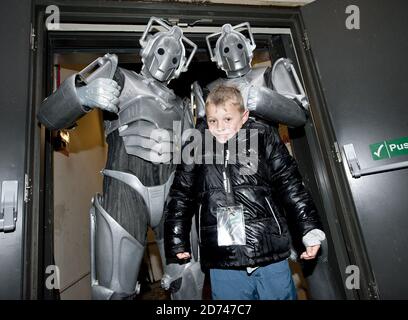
{"x":101,"y":93}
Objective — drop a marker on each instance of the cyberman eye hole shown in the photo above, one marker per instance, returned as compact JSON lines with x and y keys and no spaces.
{"x":240,"y":46}
{"x":226,"y":50}
{"x":160,"y":51}
{"x":174,"y":60}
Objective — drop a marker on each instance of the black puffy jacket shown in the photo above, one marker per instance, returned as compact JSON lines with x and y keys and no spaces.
{"x":269,"y":197}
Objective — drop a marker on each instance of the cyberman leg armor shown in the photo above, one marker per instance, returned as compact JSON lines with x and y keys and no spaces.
{"x":115,"y":257}
{"x":183,"y":281}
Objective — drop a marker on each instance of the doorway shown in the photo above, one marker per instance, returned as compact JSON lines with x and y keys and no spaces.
{"x":272,"y":43}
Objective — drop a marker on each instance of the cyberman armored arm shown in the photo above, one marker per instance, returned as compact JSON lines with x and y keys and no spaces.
{"x":233,"y":53}
{"x":285,"y":80}
{"x":270,"y":105}
{"x":93,"y":87}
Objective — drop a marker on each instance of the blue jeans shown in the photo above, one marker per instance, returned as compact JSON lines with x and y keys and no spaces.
{"x":271,"y":282}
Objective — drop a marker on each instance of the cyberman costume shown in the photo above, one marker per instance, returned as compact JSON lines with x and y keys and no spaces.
{"x":275,"y":95}
{"x":143,"y":124}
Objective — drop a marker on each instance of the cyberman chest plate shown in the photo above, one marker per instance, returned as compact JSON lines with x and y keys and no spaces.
{"x":150,"y":118}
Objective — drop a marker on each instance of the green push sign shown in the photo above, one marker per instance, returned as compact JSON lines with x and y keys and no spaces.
{"x":389,"y":149}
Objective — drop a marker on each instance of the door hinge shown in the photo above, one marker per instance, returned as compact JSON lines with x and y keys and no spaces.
{"x":33,"y":43}
{"x":336,"y":152}
{"x":27,"y":188}
{"x":306,"y":41}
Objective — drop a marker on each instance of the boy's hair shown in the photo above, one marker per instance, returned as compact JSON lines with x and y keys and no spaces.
{"x":222,"y":94}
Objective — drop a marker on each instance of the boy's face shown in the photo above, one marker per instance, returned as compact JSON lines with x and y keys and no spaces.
{"x":224,"y":121}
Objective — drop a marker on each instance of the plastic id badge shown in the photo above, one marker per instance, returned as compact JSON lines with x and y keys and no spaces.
{"x":231,"y":226}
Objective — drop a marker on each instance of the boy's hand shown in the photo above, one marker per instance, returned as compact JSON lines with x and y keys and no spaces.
{"x":310,"y":252}
{"x":183,"y":255}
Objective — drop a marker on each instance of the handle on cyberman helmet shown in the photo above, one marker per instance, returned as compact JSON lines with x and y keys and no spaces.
{"x":103,"y":67}
{"x":182,"y":67}
{"x":241,"y":25}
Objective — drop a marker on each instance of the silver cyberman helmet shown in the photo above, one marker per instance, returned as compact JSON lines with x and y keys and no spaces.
{"x":233,"y":51}
{"x":163,"y":54}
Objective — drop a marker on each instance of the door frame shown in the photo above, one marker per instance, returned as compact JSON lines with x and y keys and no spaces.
{"x":330,"y":175}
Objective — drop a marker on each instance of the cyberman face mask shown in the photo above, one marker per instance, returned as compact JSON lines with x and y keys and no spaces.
{"x":233,"y":52}
{"x":163,"y":54}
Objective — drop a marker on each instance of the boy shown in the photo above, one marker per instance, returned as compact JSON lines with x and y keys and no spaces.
{"x":244,"y":237}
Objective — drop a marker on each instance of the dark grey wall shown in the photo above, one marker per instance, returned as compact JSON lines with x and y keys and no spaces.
{"x":364,"y":77}
{"x":14,"y":66}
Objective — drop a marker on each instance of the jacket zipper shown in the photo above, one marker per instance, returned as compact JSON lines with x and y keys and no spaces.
{"x":199,"y":223}
{"x":226,"y":181}
{"x":274,"y":216}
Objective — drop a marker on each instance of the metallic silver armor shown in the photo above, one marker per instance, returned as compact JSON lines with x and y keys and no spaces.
{"x":154,"y":197}
{"x":185,"y":281}
{"x":149,"y":118}
{"x":145,"y":135}
{"x":284,"y":103}
{"x":113,"y":255}
{"x":233,"y":51}
{"x":286,"y":81}
{"x":163,"y":54}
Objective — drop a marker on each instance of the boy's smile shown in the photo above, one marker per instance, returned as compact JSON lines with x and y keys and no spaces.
{"x":224,"y":121}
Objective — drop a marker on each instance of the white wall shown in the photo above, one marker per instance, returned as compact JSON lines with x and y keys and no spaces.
{"x":76,"y":180}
